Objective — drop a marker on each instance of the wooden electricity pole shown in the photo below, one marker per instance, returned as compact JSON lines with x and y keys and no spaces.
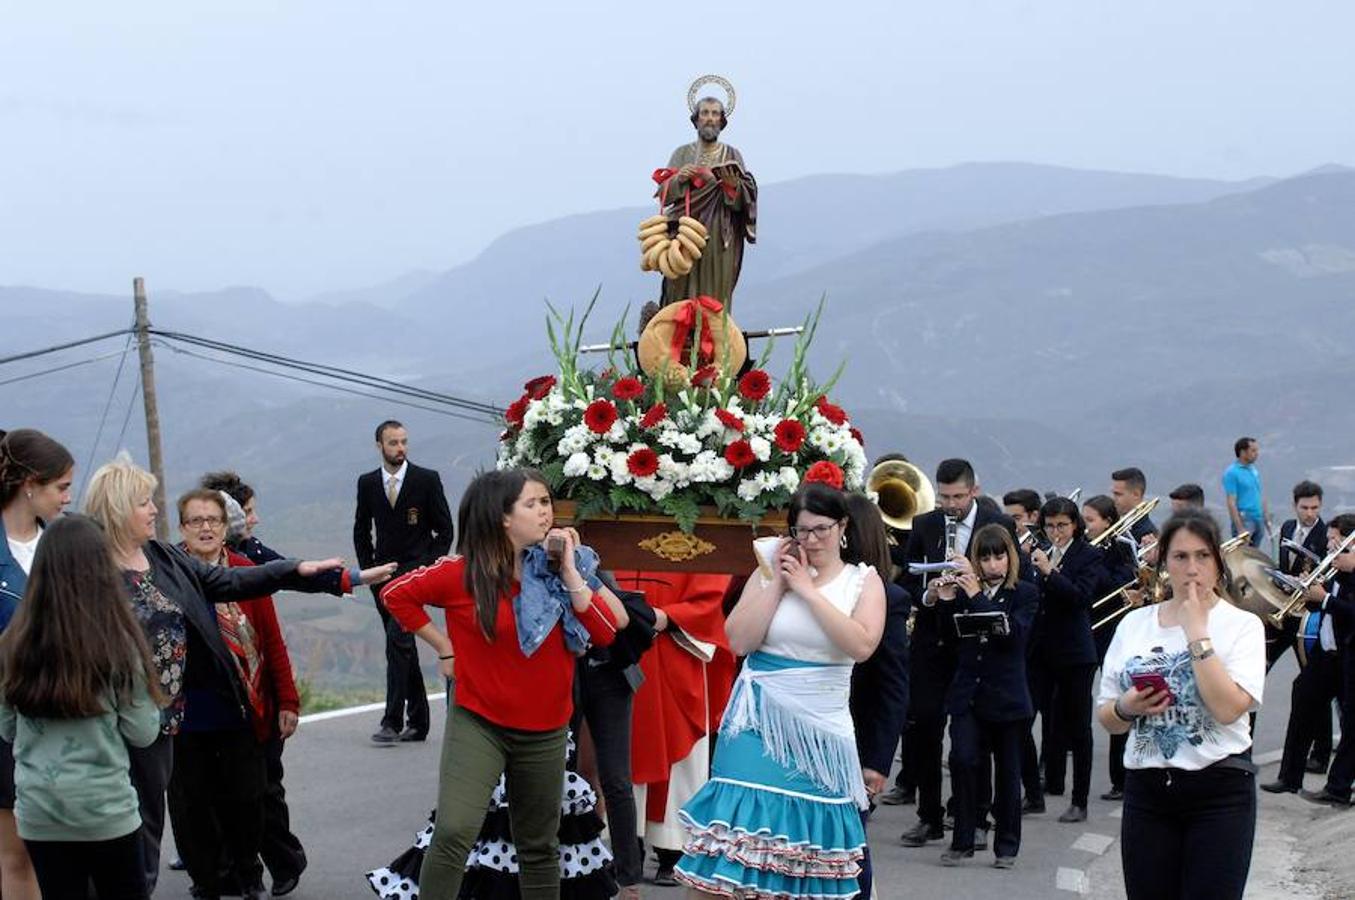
{"x":143,"y":340}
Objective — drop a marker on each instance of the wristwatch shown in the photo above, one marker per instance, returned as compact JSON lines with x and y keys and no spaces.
{"x":1201,"y":649}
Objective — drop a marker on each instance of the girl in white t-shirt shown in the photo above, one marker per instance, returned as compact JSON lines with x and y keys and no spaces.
{"x":1179,"y":678}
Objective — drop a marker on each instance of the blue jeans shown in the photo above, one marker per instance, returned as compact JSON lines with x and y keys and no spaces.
{"x":1254,"y":524}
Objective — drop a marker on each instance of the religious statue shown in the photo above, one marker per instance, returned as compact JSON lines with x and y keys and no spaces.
{"x":706,"y":180}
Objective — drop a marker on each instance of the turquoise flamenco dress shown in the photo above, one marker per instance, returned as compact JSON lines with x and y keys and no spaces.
{"x":780,"y":817}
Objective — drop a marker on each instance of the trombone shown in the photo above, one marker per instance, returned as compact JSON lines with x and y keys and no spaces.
{"x":1321,"y":574}
{"x":1154,"y":582}
{"x":1124,"y":523}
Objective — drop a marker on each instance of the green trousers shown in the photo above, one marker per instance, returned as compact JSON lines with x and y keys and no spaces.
{"x":475,"y":752}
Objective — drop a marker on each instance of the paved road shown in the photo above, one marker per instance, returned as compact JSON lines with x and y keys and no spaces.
{"x":357,"y":805}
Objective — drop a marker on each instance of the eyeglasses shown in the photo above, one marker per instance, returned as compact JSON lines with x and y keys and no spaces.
{"x":804,"y":532}
{"x":210,"y":521}
{"x":1058,"y":526}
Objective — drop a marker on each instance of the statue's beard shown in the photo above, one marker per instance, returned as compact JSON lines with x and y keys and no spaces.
{"x":708,"y":133}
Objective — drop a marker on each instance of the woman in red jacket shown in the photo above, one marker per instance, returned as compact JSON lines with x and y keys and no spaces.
{"x":516,"y":627}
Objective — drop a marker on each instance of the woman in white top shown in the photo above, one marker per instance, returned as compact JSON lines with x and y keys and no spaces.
{"x":35,"y":486}
{"x":1180,"y":678}
{"x":780,"y":815}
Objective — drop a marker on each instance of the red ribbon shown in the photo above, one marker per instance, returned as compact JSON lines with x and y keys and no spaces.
{"x":684,"y":320}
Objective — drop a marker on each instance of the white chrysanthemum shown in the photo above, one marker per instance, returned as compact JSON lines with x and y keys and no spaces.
{"x":789,"y":478}
{"x":620,"y":471}
{"x":617,"y":434}
{"x":535,"y":415}
{"x":603,"y":455}
{"x":597,"y":472}
{"x":762,"y":448}
{"x":710,"y":425}
{"x":673,"y":470}
{"x":577,"y":464}
{"x":749,"y":489}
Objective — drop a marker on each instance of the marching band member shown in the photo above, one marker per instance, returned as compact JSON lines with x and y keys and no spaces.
{"x":1339,"y":605}
{"x":1182,"y":675}
{"x":1023,"y":505}
{"x":988,"y":701}
{"x":1186,"y":496}
{"x":1068,"y":575}
{"x":1127,"y":487}
{"x":938,"y":536}
{"x":1303,"y":541}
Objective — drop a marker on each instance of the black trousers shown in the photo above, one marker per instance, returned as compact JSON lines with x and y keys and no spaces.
{"x":1314,"y":688}
{"x":1187,"y":834}
{"x":406,"y":698}
{"x":1117,"y":744}
{"x":1342,"y":771}
{"x":904,"y":779}
{"x":1040,"y":681}
{"x":605,"y":699}
{"x":216,"y":804}
{"x":926,"y":735}
{"x":151,"y":768}
{"x":65,"y":869}
{"x":1073,"y":699}
{"x":971,"y":741}
{"x":281,"y":850}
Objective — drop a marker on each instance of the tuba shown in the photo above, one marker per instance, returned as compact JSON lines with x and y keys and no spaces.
{"x":902,"y":492}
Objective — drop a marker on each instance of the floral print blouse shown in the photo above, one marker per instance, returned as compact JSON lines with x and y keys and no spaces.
{"x":167,"y":634}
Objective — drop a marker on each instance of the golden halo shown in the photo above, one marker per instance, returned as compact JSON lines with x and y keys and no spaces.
{"x":711,"y":79}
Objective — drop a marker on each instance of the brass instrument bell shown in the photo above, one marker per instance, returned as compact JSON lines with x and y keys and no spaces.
{"x":902,"y":492}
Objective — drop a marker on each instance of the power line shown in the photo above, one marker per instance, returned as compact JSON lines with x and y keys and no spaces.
{"x":103,"y":419}
{"x":45,"y":350}
{"x":481,"y":419}
{"x":335,"y":372}
{"x":62,"y":368}
{"x":131,"y":404}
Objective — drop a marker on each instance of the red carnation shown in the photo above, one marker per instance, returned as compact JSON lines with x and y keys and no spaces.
{"x":628,"y":388}
{"x":835,"y":414}
{"x":516,"y":410}
{"x":826,"y":472}
{"x":643,"y":462}
{"x":856,"y":434}
{"x":755,"y":384}
{"x":740,"y":454}
{"x":729,"y":420}
{"x":704,"y":377}
{"x":538,"y":388}
{"x":789,"y":435}
{"x":656,"y":414}
{"x":600,"y":416}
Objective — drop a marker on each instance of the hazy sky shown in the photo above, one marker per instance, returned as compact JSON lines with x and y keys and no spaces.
{"x":312,"y":146}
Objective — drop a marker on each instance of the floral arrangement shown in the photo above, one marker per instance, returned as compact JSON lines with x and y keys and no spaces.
{"x":620,"y":441}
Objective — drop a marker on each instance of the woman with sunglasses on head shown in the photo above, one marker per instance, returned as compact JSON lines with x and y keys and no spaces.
{"x":780,"y":815}
{"x":1180,"y":678}
{"x":1068,"y":573}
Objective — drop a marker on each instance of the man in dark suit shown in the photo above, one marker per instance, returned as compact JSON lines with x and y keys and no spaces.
{"x":944,"y":532}
{"x":406,"y":507}
{"x":1306,"y":529}
{"x":1339,"y":605}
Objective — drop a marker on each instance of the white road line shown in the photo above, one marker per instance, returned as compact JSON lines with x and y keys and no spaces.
{"x":1074,"y":880}
{"x":355,"y":710}
{"x":1093,"y":843}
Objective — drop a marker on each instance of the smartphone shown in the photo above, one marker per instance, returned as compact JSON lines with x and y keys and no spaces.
{"x":1153,"y":682}
{"x":555,"y":551}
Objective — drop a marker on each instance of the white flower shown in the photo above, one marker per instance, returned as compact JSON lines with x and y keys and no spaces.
{"x":620,"y":470}
{"x":617,"y":434}
{"x":597,"y":472}
{"x":749,"y":489}
{"x":577,"y":464}
{"x":762,"y":448}
{"x":789,"y":478}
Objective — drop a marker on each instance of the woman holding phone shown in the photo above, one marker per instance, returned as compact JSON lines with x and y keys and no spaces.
{"x":1179,"y":678}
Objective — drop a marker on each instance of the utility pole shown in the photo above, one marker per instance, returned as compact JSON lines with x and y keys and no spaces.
{"x":143,"y":341}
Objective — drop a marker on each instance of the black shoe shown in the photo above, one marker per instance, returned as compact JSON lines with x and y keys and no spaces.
{"x":1053,"y":790}
{"x":1031,"y":807}
{"x":177,"y":864}
{"x":920,"y":834}
{"x":1278,"y":787}
{"x":410,"y":735}
{"x":1316,"y":766}
{"x":198,"y":893}
{"x":897,"y":796}
{"x":284,"y":886}
{"x":1326,"y":797}
{"x":1113,"y":794}
{"x":954,"y":857}
{"x":1004,"y":862}
{"x":980,"y":838}
{"x":664,"y":877}
{"x":1074,"y":813}
{"x":386,"y":735}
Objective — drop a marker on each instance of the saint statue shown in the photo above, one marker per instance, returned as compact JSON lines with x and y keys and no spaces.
{"x":708,"y":178}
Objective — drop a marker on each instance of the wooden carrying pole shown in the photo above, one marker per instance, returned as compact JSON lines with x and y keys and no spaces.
{"x":157,"y":461}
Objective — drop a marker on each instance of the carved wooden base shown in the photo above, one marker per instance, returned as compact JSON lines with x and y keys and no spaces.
{"x":655,"y":543}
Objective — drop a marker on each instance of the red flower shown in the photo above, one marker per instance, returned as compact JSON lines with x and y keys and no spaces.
{"x":600,"y":416}
{"x":835,"y":414}
{"x":643,"y":462}
{"x":826,"y":472}
{"x":755,"y":385}
{"x":516,"y":410}
{"x":856,"y":433}
{"x":740,"y":454}
{"x":628,"y":388}
{"x":789,"y":435}
{"x":704,"y":377}
{"x":729,"y":420}
{"x":656,"y":414}
{"x":538,"y":388}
